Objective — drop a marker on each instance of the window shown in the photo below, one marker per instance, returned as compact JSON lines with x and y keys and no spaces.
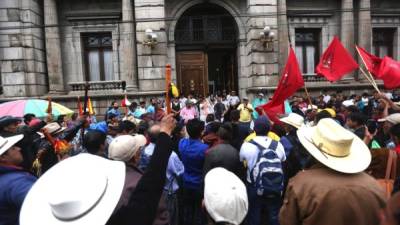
{"x":98,"y":56}
{"x":307,"y":49}
{"x":383,"y":42}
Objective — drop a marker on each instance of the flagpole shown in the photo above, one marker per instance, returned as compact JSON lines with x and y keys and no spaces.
{"x":308,"y":95}
{"x":371,"y":80}
{"x":373,"y":83}
{"x":167,"y":86}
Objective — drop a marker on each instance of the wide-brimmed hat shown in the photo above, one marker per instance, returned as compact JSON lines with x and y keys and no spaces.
{"x":335,"y":147}
{"x":7,"y":120}
{"x":392,"y":118}
{"x":54,"y":128}
{"x":80,"y":190}
{"x":7,"y":143}
{"x":260,"y":94}
{"x":123,"y":147}
{"x":225,"y":196}
{"x":293,"y":119}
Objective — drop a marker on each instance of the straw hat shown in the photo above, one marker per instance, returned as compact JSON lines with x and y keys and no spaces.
{"x":293,"y":119}
{"x":335,"y":147}
{"x":54,"y":128}
{"x":7,"y":143}
{"x":80,"y":190}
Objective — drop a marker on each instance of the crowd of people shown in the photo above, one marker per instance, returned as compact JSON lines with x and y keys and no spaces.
{"x":212,"y":160}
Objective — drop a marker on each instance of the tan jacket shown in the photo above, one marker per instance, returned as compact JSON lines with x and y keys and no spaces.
{"x":322,"y":196}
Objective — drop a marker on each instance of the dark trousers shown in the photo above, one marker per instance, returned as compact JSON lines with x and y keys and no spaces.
{"x":191,"y":211}
{"x":173,"y":209}
{"x":262,"y":210}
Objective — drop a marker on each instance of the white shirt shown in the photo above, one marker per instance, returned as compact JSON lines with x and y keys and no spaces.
{"x":233,"y":100}
{"x":249,"y":152}
{"x":327,"y":98}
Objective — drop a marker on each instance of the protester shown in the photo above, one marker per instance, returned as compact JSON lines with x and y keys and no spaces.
{"x":257,"y":102}
{"x":223,"y":154}
{"x":114,"y":110}
{"x":245,"y":111}
{"x":219,"y":109}
{"x":263,"y":195}
{"x":192,"y":152}
{"x":233,"y":99}
{"x":94,"y":142}
{"x":225,"y":197}
{"x":340,"y":159}
{"x":188,"y":112}
{"x":15,"y":182}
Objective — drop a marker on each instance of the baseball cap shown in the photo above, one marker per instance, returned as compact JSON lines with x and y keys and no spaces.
{"x":225,"y":196}
{"x":123,"y":147}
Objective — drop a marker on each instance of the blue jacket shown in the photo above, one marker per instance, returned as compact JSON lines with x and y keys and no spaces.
{"x":192,"y":155}
{"x":14,"y":186}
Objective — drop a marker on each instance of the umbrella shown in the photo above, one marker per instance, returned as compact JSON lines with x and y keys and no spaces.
{"x":36,"y":106}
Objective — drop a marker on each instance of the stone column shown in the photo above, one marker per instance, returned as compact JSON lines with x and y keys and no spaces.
{"x":127,"y":47}
{"x":262,"y":61}
{"x":347,"y":24}
{"x":364,"y":25}
{"x":283,"y":34}
{"x":53,"y":48}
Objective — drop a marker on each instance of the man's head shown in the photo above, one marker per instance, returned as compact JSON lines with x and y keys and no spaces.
{"x":195,"y":128}
{"x":225,"y":132}
{"x":112,"y":118}
{"x":114,"y":104}
{"x":235,"y":115}
{"x":28,"y":118}
{"x":133,"y":106}
{"x":9,"y":124}
{"x":356,"y":120}
{"x":95,"y":141}
{"x":260,"y":95}
{"x":189,"y":103}
{"x":126,"y":148}
{"x":153,"y":132}
{"x":221,"y":189}
{"x":245,"y":100}
{"x":389,"y":121}
{"x":126,"y":127}
{"x":262,"y":125}
{"x":10,"y":152}
{"x":233,"y":93}
{"x":143,"y":104}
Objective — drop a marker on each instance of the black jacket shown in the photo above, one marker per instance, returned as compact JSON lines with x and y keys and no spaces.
{"x":143,"y":203}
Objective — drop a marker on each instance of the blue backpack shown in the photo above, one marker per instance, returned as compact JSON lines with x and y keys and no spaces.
{"x":267,"y":174}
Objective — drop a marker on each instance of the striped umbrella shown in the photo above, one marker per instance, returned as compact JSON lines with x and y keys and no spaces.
{"x":36,"y":106}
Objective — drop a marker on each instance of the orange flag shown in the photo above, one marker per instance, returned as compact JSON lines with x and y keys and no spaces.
{"x":90,"y":107}
{"x":80,"y":107}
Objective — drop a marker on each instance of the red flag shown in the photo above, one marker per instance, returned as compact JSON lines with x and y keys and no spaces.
{"x":125,"y":102}
{"x":335,"y":62}
{"x":389,"y":72}
{"x":80,"y":110}
{"x":290,"y":82}
{"x":372,"y":62}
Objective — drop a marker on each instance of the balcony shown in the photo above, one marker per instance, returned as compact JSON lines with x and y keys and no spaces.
{"x":115,"y":86}
{"x":314,"y":78}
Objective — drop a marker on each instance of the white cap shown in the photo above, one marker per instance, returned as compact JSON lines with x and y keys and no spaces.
{"x":123,"y":147}
{"x":225,"y":196}
{"x":7,"y":143}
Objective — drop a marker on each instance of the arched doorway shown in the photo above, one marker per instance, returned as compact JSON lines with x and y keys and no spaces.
{"x":206,"y":42}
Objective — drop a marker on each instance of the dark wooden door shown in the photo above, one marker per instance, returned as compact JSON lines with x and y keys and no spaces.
{"x":192,"y":72}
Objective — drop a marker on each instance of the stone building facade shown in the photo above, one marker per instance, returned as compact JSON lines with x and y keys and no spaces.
{"x":53,"y":47}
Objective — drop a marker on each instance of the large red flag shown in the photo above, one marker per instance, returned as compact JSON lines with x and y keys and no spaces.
{"x":335,"y":62}
{"x":290,"y":82}
{"x":372,"y":62}
{"x":389,"y":72}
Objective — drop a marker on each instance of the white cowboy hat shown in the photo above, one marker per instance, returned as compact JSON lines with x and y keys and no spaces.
{"x":7,"y":143}
{"x":335,"y":147}
{"x":52,"y":128}
{"x":293,"y":119}
{"x":80,"y":190}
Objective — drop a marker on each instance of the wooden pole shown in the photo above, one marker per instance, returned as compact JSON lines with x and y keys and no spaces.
{"x":307,"y":94}
{"x":167,"y":87}
{"x":371,"y":78}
